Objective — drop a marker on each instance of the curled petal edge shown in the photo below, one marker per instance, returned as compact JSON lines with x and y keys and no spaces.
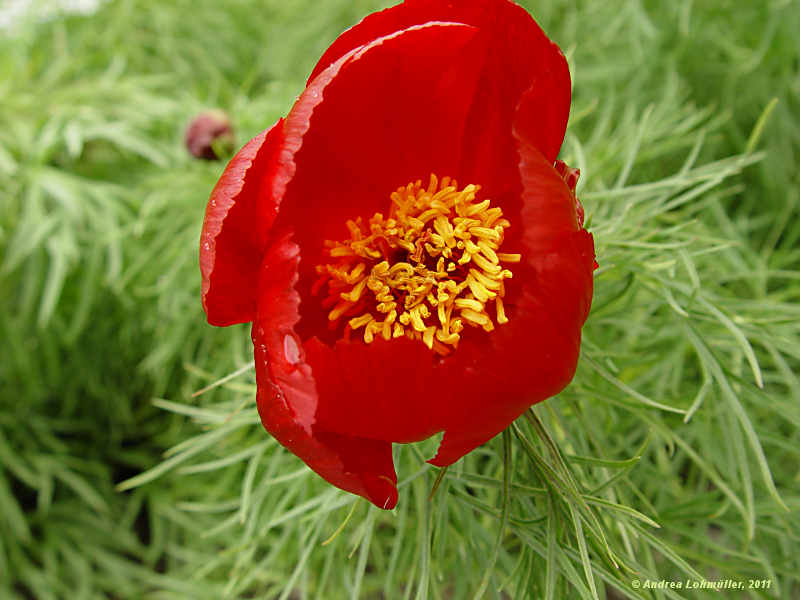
{"x":287,"y":394}
{"x":557,"y":295}
{"x":238,"y":217}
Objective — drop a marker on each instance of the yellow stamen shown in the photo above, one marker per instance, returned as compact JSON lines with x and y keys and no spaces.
{"x":478,"y":289}
{"x":477,"y":208}
{"x":416,"y":321}
{"x":491,"y":216}
{"x":485,"y":279}
{"x":488,"y":251}
{"x":475,"y":317}
{"x":386,"y":330}
{"x":355,"y":294}
{"x":501,"y":313}
{"x":485,"y":233}
{"x":450,"y":339}
{"x":485,"y":264}
{"x":357,"y":322}
{"x":469,"y":303}
{"x":424,"y":271}
{"x":427,"y":336}
{"x":341,"y":308}
{"x":369,"y":332}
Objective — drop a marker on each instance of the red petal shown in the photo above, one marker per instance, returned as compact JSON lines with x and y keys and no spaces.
{"x":528,"y":360}
{"x":287,"y":395}
{"x":526,"y":75}
{"x":387,"y":390}
{"x":543,"y":110}
{"x":238,"y":218}
{"x":534,"y":355}
{"x":521,"y":58}
{"x":558,"y":254}
{"x":391,"y":113}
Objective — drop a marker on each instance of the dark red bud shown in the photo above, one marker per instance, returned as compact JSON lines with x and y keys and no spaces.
{"x":210,"y":135}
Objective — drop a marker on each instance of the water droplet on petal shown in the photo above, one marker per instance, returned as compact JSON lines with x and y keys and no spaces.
{"x":291,"y":351}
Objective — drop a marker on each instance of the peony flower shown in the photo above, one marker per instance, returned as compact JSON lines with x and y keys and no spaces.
{"x":409,"y":251}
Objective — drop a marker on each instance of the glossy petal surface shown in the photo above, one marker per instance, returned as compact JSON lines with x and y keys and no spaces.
{"x":238,"y":218}
{"x":519,"y":56}
{"x":287,"y":397}
{"x":414,"y":91}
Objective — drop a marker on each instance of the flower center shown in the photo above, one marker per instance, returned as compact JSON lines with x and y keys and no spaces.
{"x":427,"y":270}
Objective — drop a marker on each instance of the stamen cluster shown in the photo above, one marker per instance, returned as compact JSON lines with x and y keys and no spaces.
{"x":425,"y":271}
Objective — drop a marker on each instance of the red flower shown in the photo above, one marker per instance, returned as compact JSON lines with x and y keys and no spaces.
{"x":389,"y":304}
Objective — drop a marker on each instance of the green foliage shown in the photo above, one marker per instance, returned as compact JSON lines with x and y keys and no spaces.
{"x":672,"y":455}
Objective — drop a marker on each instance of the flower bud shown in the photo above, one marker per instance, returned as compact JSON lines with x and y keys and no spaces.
{"x":209,"y":135}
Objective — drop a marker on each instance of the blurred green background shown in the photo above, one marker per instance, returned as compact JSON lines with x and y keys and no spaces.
{"x":684,"y":413}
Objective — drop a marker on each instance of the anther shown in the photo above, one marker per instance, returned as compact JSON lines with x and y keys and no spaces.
{"x":434,"y":252}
